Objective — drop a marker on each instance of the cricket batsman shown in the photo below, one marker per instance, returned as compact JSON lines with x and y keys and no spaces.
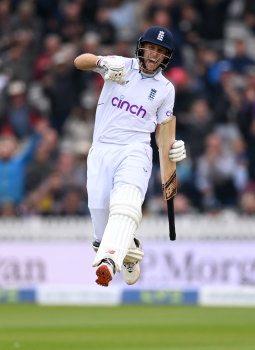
{"x":136,"y":98}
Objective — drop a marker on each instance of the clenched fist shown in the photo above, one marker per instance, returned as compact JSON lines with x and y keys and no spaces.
{"x":114,"y":67}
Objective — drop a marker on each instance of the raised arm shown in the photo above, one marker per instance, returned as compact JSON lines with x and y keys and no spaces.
{"x":86,"y":61}
{"x":113,"y":67}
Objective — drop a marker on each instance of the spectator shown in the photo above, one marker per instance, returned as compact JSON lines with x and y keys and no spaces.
{"x":19,"y":55}
{"x":90,"y":42}
{"x":249,"y":14}
{"x":184,"y":97}
{"x":215,"y":176}
{"x":123,"y":16}
{"x":89,"y":11}
{"x":70,"y":170}
{"x":52,"y":44}
{"x":72,"y":25}
{"x":5,"y":17}
{"x":25,"y":19}
{"x":104,"y":26}
{"x":39,"y":168}
{"x":188,"y":24}
{"x":13,"y":164}
{"x":73,"y":203}
{"x":199,"y":126}
{"x":20,"y":117}
{"x":78,"y":128}
{"x":48,"y":11}
{"x":247,"y":199}
{"x":46,"y":199}
{"x":246,"y":121}
{"x":61,"y":89}
{"x":213,"y":15}
{"x":241,"y":59}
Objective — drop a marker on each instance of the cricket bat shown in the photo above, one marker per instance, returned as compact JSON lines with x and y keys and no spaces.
{"x":168,"y":169}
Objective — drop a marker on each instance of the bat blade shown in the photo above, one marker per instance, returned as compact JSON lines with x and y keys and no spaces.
{"x":168,"y":170}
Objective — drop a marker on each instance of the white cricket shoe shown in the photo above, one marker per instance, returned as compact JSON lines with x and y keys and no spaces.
{"x":131,"y":270}
{"x":105,"y":272}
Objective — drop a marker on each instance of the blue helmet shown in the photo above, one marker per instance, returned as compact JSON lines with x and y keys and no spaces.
{"x":159,"y":36}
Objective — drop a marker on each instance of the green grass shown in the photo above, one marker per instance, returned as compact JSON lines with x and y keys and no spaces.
{"x":31,"y":327}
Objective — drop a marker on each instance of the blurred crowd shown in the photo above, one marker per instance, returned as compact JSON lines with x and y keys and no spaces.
{"x":47,"y":107}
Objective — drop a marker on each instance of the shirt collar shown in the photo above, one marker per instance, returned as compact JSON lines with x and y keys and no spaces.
{"x":136,"y":66}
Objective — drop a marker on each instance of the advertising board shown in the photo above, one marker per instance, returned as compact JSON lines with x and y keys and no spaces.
{"x":166,"y":265}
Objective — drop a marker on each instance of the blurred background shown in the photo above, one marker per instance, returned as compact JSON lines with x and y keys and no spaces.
{"x":47,"y":110}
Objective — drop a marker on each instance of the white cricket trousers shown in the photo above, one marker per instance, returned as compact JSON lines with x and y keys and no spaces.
{"x":110,"y":166}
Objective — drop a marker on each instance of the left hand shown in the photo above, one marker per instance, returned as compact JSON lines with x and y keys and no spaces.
{"x":115,"y":68}
{"x":178,"y":151}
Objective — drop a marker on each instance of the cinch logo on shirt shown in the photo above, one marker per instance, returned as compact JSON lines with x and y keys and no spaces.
{"x":133,"y":109}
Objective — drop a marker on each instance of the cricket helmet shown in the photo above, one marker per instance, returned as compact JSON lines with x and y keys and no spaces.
{"x":160,"y":36}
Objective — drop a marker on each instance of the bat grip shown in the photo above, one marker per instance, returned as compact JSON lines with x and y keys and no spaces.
{"x":170,"y":210}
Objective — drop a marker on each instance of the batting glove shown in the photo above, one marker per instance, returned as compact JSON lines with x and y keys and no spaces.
{"x":178,"y":151}
{"x":114,"y":67}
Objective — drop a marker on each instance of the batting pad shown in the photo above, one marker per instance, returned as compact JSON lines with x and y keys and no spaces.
{"x":135,"y":252}
{"x":124,"y":218}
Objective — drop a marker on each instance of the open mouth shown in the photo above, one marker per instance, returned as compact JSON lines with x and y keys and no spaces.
{"x":151,"y":64}
{"x":152,"y":60}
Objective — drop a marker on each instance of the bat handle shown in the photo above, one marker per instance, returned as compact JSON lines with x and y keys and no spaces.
{"x":170,"y":209}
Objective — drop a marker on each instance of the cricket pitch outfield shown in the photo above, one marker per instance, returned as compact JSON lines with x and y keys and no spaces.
{"x":31,"y":327}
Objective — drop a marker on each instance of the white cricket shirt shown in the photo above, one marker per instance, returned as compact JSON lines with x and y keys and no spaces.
{"x":130,"y":113}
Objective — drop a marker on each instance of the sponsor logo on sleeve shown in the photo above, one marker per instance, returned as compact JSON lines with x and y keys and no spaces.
{"x":169,"y":113}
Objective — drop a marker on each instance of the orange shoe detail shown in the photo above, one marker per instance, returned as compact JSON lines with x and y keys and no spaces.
{"x":104,"y":275}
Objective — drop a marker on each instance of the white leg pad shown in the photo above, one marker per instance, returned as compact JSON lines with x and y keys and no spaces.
{"x":124,"y":218}
{"x":134,"y":253}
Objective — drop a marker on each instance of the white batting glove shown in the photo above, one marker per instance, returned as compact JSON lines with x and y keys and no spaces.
{"x":178,"y":151}
{"x":114,"y":67}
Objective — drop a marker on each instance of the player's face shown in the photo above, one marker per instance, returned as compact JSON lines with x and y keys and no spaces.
{"x":153,"y":55}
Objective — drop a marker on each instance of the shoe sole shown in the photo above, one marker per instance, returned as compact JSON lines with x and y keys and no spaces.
{"x":104,"y":275}
{"x":130,"y":284}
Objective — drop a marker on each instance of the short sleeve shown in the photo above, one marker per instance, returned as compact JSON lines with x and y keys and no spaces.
{"x":166,"y":108}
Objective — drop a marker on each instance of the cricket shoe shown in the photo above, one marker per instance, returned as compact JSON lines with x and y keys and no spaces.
{"x":131,"y":270}
{"x":105,"y":272}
